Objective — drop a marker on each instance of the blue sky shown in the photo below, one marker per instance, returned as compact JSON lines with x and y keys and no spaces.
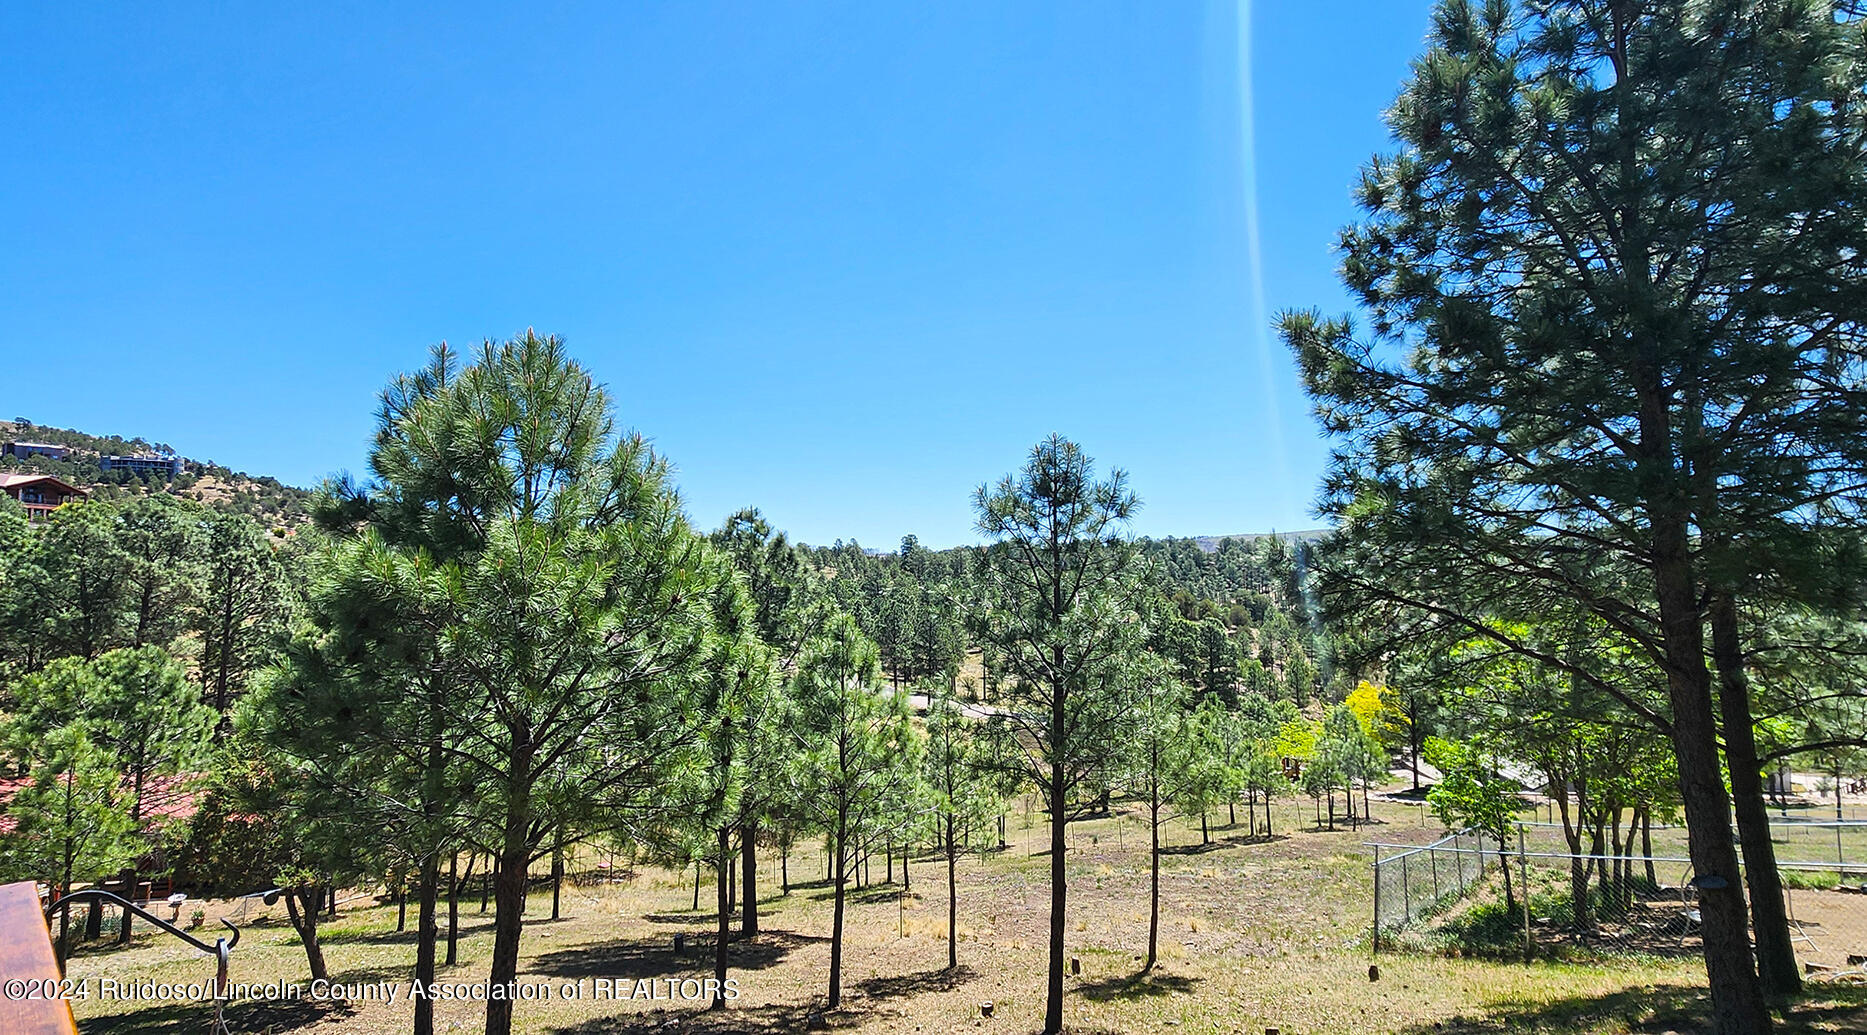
{"x":842,"y":262}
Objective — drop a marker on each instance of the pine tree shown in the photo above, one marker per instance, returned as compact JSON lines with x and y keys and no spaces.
{"x":861,"y":753}
{"x":1062,"y":595}
{"x":960,"y":783}
{"x":541,"y":563}
{"x":1616,"y":278}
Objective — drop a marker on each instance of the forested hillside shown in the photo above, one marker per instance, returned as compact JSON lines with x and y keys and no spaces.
{"x":262,"y":497}
{"x":1229,"y":613}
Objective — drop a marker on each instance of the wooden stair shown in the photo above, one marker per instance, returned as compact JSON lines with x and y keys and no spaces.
{"x":26,"y":954}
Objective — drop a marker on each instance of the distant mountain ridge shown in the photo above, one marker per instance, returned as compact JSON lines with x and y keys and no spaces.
{"x":267,"y":498}
{"x":1210,"y":543}
{"x":1206,"y":543}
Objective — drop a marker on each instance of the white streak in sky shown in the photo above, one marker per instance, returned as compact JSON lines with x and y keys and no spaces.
{"x":1260,"y":314}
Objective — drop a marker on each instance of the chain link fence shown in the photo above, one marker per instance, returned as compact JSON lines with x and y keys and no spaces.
{"x":1535,"y":897}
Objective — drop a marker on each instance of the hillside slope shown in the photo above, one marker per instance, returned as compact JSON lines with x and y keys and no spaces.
{"x":261,"y":497}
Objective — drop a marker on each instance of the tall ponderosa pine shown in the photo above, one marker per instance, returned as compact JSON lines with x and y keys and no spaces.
{"x":788,"y":608}
{"x":740,"y":761}
{"x":71,"y":819}
{"x":161,"y":541}
{"x":570,"y":599}
{"x":1616,"y":278}
{"x":960,"y":784}
{"x":360,"y":722}
{"x":242,"y":608}
{"x":1061,"y":600}
{"x":860,"y":750}
{"x":1159,"y":765}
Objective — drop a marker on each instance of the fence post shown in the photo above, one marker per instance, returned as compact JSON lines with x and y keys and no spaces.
{"x":1523,"y":878}
{"x":1406,"y":891}
{"x":1377,"y":900}
{"x":1432,"y":856}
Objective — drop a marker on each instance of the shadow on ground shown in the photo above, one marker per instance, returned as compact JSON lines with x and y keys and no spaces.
{"x":1656,"y":1009}
{"x":636,"y":958}
{"x":863,"y":896}
{"x":1137,"y":986}
{"x":758,"y":1020}
{"x":915,"y":984}
{"x":691,"y":918}
{"x":176,"y":1018}
{"x":1235,"y":841}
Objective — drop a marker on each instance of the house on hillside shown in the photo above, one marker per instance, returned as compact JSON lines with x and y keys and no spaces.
{"x":40,"y":494}
{"x":167,"y":466}
{"x":22,"y":450}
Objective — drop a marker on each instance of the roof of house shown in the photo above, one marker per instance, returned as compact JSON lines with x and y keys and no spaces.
{"x":165,"y":798}
{"x":13,"y":480}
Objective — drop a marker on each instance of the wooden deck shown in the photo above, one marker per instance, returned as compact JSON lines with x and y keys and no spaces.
{"x":26,"y":954}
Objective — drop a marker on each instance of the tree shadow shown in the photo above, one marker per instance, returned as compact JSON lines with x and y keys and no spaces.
{"x":684,"y":919}
{"x":379,"y":972}
{"x":869,"y":895}
{"x":698,"y":1020}
{"x":710,"y":920}
{"x":636,"y":958}
{"x":1195,"y":849}
{"x":915,"y":984}
{"x":1137,"y":986}
{"x":1217,"y":843}
{"x":1654,"y":1009}
{"x":279,"y":1015}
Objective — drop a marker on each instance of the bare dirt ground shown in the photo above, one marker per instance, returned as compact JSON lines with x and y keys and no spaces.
{"x":1256,"y":932}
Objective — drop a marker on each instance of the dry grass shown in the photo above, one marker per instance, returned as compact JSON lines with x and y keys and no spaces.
{"x":1255,"y":933}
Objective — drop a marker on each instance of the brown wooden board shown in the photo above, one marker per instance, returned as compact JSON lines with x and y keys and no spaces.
{"x":26,"y":955}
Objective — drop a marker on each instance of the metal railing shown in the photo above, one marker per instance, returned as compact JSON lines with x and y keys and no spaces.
{"x":221,"y":949}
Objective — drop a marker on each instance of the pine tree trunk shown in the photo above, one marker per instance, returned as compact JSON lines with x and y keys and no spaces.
{"x":1578,"y":868}
{"x":1646,"y":846}
{"x":1059,"y":890}
{"x":453,"y":907}
{"x":1737,"y":999}
{"x":557,"y":875}
{"x":952,"y":896}
{"x":722,"y":929}
{"x":1153,"y":914}
{"x":509,"y":905}
{"x":129,"y":894}
{"x":838,"y":879}
{"x":748,"y":860}
{"x":1776,"y":953}
{"x":1503,"y":863}
{"x":305,"y":922}
{"x":426,"y":893}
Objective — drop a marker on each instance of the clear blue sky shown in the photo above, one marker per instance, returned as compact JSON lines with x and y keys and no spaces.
{"x":842,"y":262}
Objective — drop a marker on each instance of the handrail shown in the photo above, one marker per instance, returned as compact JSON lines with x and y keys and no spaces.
{"x":221,"y":949}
